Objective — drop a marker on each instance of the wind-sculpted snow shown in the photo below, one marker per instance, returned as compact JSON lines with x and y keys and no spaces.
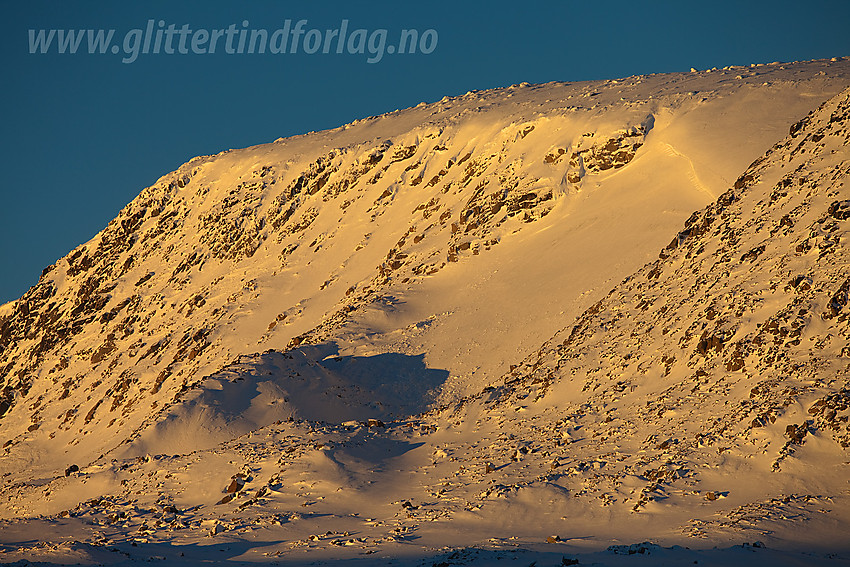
{"x":312,"y":383}
{"x":721,"y":369}
{"x":330,"y":345}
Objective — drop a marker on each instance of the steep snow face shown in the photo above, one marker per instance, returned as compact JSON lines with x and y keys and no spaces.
{"x":467,"y":230}
{"x":710,"y":390}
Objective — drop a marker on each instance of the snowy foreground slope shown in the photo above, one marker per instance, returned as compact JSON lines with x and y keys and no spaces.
{"x":446,"y":335}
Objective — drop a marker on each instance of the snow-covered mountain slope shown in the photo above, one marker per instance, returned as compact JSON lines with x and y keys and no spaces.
{"x":710,"y":390}
{"x":433,"y":230}
{"x":337,"y":321}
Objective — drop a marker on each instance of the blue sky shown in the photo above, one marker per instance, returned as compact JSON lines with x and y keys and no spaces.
{"x":83,"y":134}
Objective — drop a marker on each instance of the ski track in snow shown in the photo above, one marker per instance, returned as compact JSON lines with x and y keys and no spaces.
{"x":692,"y":174}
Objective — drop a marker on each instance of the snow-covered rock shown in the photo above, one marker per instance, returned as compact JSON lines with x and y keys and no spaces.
{"x":473,"y":305}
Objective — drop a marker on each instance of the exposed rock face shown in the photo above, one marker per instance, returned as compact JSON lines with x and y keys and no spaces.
{"x":613,"y":153}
